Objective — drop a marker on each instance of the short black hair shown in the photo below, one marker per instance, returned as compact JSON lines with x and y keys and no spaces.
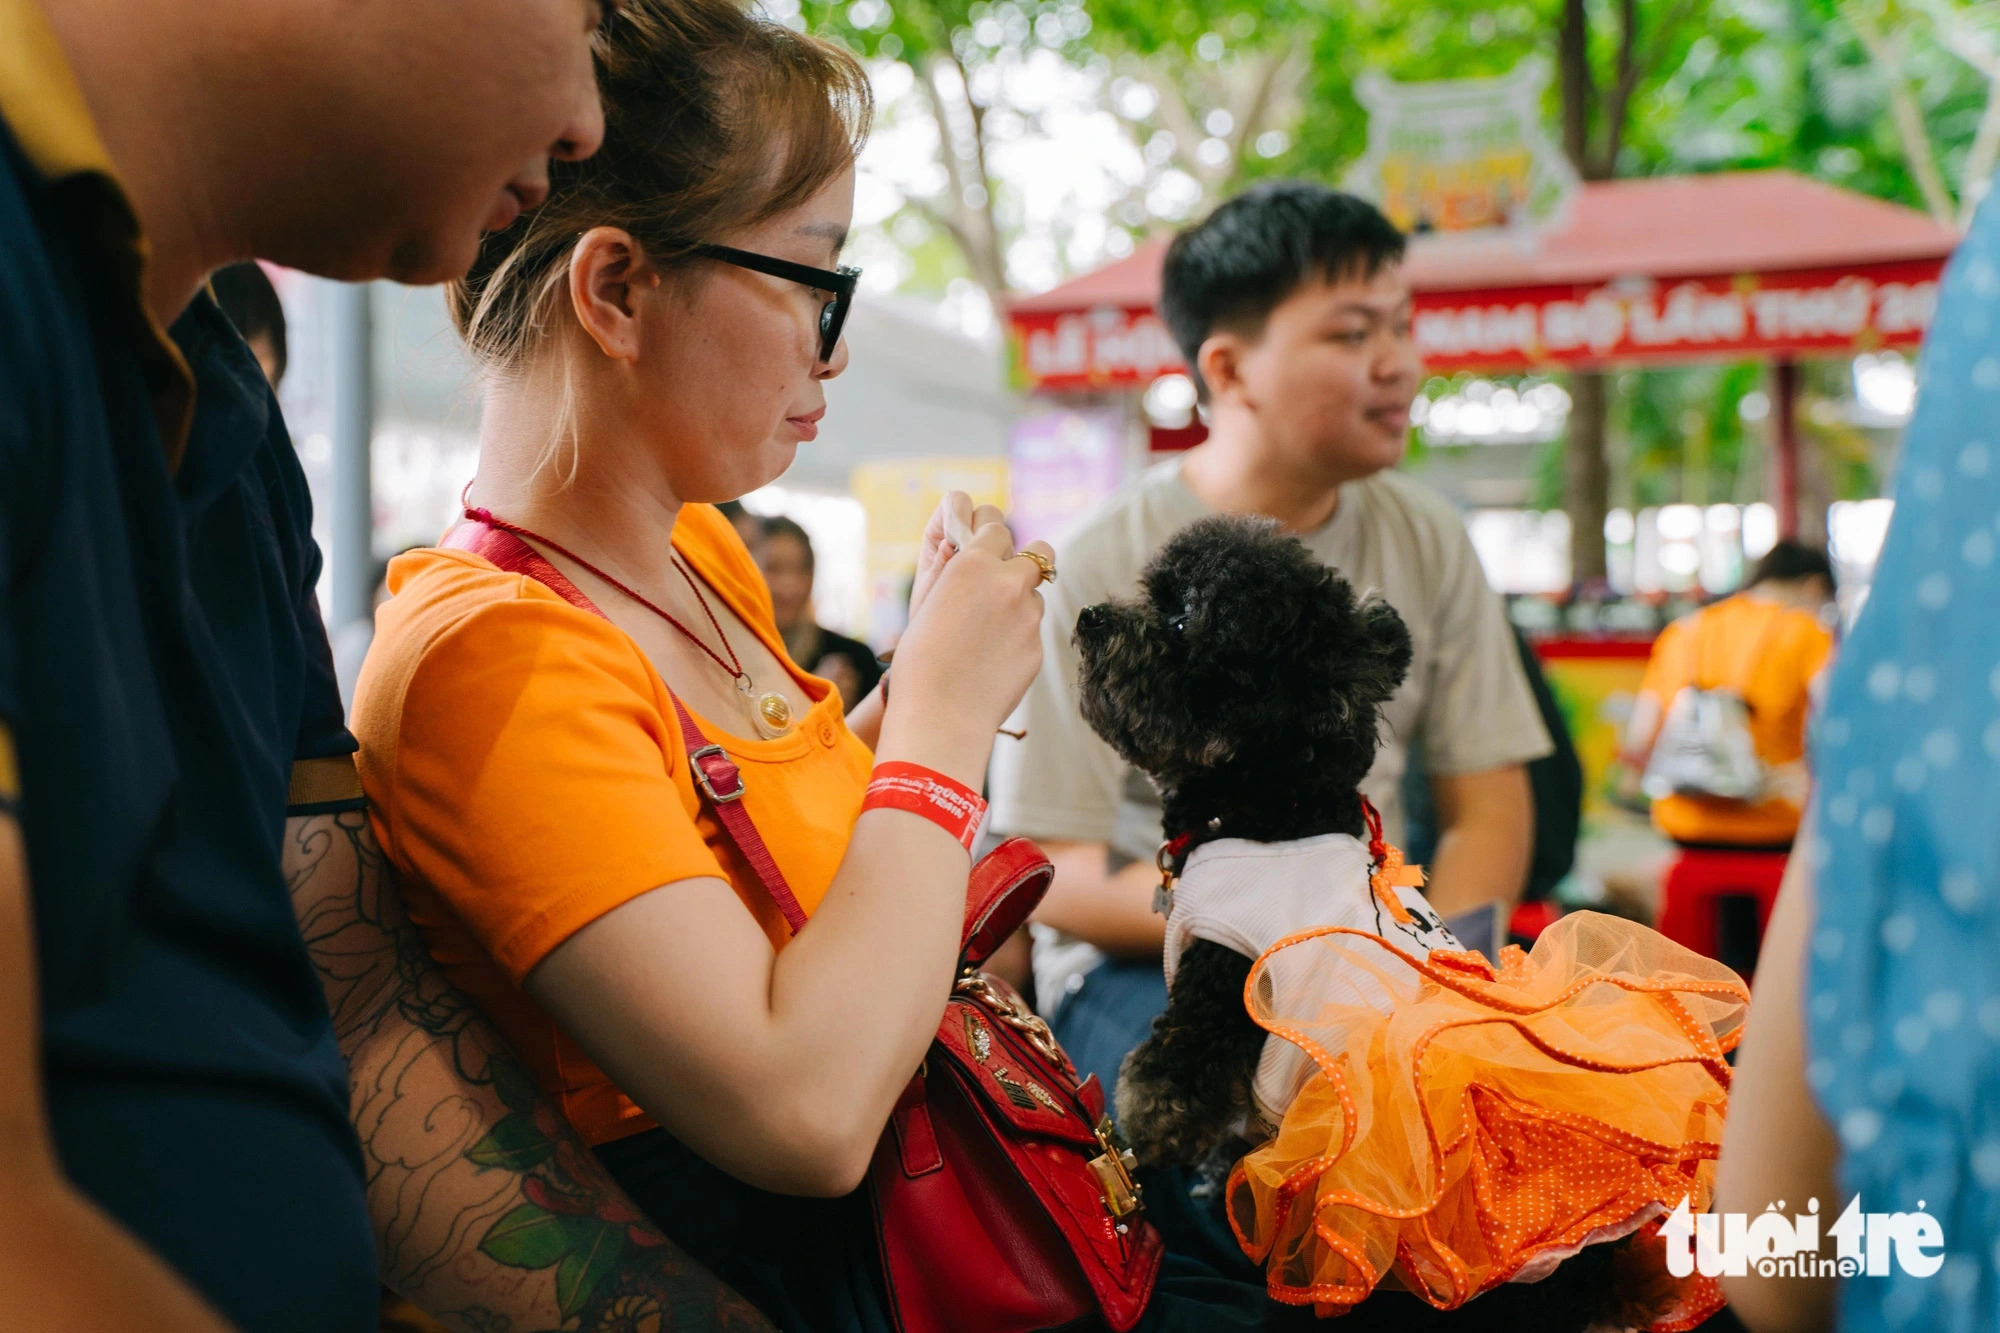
{"x":1790,"y":561}
{"x":779,"y":526}
{"x":245,"y":293}
{"x":1237,"y":264}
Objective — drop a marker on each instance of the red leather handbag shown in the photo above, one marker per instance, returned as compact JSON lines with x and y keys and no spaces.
{"x":1002,"y":1201}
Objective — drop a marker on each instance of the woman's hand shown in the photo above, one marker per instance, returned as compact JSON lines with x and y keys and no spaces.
{"x":951,"y":526}
{"x":974,"y":642}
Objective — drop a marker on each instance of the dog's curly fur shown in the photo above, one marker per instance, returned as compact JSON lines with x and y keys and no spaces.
{"x":1182,"y":1091}
{"x":1247,"y":681}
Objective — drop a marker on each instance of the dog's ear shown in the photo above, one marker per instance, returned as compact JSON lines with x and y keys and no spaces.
{"x":1383,"y":655}
{"x":1184,"y":1088}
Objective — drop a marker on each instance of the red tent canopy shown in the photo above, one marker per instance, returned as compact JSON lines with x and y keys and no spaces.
{"x":1654,"y":270}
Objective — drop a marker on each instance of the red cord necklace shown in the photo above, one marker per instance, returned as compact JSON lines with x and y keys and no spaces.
{"x":770,"y":712}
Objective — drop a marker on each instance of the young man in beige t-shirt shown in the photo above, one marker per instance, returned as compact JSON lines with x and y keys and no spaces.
{"x":1290,"y":303}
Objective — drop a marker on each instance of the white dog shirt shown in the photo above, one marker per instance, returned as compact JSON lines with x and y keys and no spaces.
{"x":1247,"y":896}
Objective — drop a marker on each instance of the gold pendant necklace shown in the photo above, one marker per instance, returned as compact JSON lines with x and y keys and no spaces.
{"x":770,"y":712}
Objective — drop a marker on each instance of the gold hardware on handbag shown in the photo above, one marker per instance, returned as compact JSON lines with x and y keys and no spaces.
{"x":1114,"y":1170}
{"x":1016,"y":1015}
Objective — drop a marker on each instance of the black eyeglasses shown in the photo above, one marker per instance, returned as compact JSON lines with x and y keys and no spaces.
{"x":839,"y":282}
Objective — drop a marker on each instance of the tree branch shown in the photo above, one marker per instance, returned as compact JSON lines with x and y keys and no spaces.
{"x":954,"y":170}
{"x":978,"y":243}
{"x":1975,"y":49}
{"x":1625,"y":78}
{"x":1578,"y":84}
{"x":1980,"y":159}
{"x":1638,"y":66}
{"x":945,"y":223}
{"x":990,"y":267}
{"x":1663,"y":36}
{"x":1906,"y":114}
{"x":1274,"y":67}
{"x":1961,"y":39}
{"x":1179,"y":120}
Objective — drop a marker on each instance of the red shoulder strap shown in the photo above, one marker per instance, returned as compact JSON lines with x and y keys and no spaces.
{"x":715,"y":774}
{"x":1005,"y":886}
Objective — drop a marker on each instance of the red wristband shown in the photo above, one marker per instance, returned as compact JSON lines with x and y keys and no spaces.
{"x":952,"y":806}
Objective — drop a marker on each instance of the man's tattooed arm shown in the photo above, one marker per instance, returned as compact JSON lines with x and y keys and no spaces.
{"x":489,"y":1212}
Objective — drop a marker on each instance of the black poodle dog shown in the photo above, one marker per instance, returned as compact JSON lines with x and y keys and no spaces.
{"x":1247,"y":681}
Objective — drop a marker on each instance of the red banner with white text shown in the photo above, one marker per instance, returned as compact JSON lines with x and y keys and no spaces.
{"x":1822,"y":312}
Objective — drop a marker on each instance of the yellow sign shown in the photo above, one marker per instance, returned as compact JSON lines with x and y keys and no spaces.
{"x":1483,"y":191}
{"x":1462,"y":155}
{"x":899,"y":496}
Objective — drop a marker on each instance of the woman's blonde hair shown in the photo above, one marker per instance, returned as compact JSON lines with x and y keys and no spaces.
{"x":715,"y":119}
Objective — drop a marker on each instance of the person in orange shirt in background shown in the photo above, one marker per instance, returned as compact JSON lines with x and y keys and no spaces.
{"x":1766,"y":645}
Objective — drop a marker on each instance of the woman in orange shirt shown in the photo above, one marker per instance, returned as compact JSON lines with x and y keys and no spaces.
{"x":527,"y":770}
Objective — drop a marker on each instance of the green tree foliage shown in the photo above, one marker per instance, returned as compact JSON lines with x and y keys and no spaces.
{"x":961,"y":53}
{"x":1199,"y":87}
{"x":1893,"y":98}
{"x":1227,"y":78}
{"x":1685,"y":436}
{"x":1476,"y":38}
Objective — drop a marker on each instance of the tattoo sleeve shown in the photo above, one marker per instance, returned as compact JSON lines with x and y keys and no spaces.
{"x":489,"y":1212}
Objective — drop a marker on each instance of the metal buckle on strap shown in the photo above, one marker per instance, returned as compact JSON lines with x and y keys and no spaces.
{"x":696,"y":762}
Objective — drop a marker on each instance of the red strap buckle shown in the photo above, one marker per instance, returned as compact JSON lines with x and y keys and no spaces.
{"x":721,"y":780}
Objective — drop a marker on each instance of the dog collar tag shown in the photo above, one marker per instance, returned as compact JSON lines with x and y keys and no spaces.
{"x":1164,"y":860}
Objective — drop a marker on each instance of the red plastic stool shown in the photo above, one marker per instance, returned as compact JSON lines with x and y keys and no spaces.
{"x":1531,"y":919}
{"x":1718,"y":902}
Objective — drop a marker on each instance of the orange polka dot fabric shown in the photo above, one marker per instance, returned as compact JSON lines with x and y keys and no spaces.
{"x":1465,"y":1125}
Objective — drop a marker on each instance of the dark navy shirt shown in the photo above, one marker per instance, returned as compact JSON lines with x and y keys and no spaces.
{"x":162,"y":669}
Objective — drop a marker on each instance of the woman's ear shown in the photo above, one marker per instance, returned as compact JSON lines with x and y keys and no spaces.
{"x":606,"y":272}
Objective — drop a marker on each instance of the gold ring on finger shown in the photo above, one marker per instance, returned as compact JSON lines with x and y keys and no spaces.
{"x":1042,"y":562}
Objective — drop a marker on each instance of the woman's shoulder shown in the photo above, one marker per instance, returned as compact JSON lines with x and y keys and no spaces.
{"x":455,"y":621}
{"x":436,"y":591}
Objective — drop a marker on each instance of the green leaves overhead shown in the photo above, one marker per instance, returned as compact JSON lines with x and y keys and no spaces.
{"x":1207,"y":30}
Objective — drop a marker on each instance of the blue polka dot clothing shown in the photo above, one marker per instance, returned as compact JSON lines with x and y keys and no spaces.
{"x":1903,"y":976}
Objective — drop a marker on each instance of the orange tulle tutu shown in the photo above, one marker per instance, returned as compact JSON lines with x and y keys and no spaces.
{"x":1461,"y":1126}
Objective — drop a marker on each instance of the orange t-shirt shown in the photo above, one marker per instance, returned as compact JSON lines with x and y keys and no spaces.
{"x":1768,"y":654}
{"x":527,"y":775}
